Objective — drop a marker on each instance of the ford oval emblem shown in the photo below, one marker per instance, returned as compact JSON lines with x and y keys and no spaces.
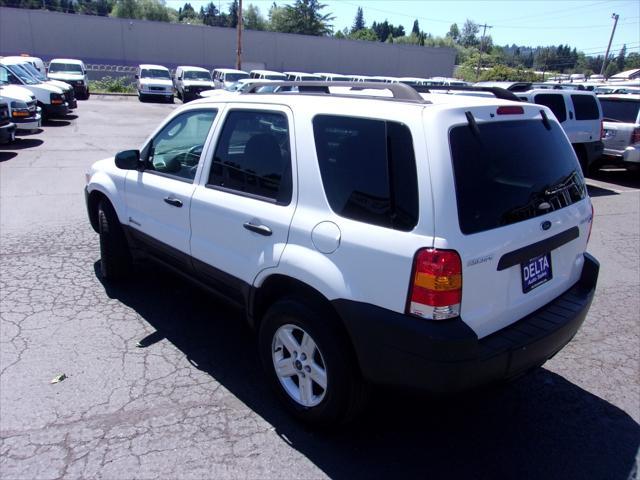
{"x":546,"y":225}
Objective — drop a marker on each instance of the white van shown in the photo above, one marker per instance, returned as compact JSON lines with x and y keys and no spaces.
{"x":51,"y":99}
{"x":302,"y":77}
{"x":154,"y":81}
{"x":580,"y":115}
{"x":23,"y":108}
{"x":190,"y":81}
{"x":225,"y":77}
{"x":267,"y":75}
{"x":73,"y":72}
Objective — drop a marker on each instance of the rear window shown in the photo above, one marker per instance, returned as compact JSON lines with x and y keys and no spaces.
{"x":585,"y":107}
{"x":508,"y":172}
{"x":555,"y":102}
{"x":368,"y":170}
{"x":625,"y":111}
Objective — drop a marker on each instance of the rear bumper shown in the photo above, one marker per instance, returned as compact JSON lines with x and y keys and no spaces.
{"x":7,"y":132}
{"x":447,"y":356}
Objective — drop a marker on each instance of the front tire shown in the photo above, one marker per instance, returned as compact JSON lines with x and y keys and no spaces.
{"x":115,"y":257}
{"x":310,"y":363}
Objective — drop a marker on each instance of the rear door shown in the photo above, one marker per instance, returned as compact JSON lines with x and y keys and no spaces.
{"x":243,"y":206}
{"x":621,"y":117}
{"x":585,"y":116}
{"x":519,"y":213}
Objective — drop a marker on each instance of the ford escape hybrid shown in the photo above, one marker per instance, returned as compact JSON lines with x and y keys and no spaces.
{"x":433,"y":241}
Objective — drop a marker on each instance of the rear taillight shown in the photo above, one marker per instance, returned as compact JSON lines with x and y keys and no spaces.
{"x":590,"y":223}
{"x":635,"y":136}
{"x":436,"y":287}
{"x":510,"y":110}
{"x":601,"y":129}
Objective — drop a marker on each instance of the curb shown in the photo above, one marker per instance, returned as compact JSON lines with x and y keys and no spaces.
{"x":113,"y":94}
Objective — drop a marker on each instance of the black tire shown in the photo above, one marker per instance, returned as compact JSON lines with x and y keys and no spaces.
{"x":345,"y":394}
{"x":115,"y":257}
{"x":141,"y":97}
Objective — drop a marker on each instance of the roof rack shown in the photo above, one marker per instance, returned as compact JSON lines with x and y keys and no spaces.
{"x":496,"y":91}
{"x":399,"y":91}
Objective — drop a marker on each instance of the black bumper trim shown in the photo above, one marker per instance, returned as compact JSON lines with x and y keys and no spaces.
{"x":530,"y":251}
{"x":446,"y":356}
{"x":55,"y":110}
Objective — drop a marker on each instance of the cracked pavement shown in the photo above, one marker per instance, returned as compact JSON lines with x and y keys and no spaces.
{"x":165,"y":382}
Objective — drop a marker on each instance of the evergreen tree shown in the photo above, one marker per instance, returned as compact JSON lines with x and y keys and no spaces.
{"x":416,"y":28}
{"x":454,"y":32}
{"x":232,"y":17}
{"x":620,"y":59}
{"x":358,"y":23}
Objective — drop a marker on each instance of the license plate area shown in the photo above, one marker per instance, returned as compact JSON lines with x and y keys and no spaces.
{"x":536,"y":272}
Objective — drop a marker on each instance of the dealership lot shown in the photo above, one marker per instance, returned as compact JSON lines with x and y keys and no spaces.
{"x":163,"y":381}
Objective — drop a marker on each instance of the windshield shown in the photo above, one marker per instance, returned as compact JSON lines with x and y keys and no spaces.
{"x":625,"y":111}
{"x":511,"y":171}
{"x":22,"y":74}
{"x":33,"y":71}
{"x":4,"y":77}
{"x":197,"y":75}
{"x":234,"y":77}
{"x":154,"y":73}
{"x":65,"y":68}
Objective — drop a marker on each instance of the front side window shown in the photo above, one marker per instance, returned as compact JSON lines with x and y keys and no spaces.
{"x":585,"y":107}
{"x":368,"y":170}
{"x":177,"y":148}
{"x":253,"y":155}
{"x":555,"y":102}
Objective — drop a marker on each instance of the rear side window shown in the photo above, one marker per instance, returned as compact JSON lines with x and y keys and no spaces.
{"x":585,"y":107}
{"x":555,"y":103}
{"x":368,"y":170}
{"x":625,"y":111}
{"x":508,"y":172}
{"x":253,"y":156}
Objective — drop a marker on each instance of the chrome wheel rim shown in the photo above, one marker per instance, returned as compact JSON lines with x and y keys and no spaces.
{"x":299,"y":365}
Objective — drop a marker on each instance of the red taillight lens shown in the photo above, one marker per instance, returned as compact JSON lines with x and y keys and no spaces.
{"x":436,"y":286}
{"x":510,"y":110}
{"x":635,"y":136}
{"x":590,"y":223}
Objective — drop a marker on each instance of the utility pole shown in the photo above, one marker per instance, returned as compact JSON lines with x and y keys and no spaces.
{"x":615,"y":17}
{"x":239,"y":46}
{"x":484,"y":31}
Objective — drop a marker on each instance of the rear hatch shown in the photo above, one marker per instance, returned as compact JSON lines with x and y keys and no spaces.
{"x":620,"y":121}
{"x":520,"y":215}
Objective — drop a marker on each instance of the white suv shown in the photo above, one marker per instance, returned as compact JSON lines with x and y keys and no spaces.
{"x":436,"y":243}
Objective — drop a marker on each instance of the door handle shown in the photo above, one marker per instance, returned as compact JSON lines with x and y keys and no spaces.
{"x":173,"y":201}
{"x":261,"y":229}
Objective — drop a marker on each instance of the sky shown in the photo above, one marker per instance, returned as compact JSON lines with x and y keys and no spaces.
{"x":583,"y":24}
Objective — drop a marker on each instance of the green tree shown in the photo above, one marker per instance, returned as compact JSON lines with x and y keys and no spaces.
{"x":454,"y":32}
{"x":366,"y":34}
{"x":621,"y":57}
{"x":469,"y":35}
{"x":253,"y":19}
{"x":303,"y":17}
{"x":612,"y":69}
{"x":358,"y":22}
{"x":127,"y":9}
{"x":232,"y":17}
{"x":209,"y":14}
{"x":416,"y":28}
{"x":187,"y":13}
{"x":632,"y":61}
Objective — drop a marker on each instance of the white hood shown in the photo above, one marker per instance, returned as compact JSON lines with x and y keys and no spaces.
{"x":156,"y":82}
{"x":63,"y":76}
{"x":197,"y":83}
{"x":14,"y":92}
{"x":60,"y":85}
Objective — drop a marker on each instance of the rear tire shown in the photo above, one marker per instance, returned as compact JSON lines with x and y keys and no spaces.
{"x":319,"y":382}
{"x":115,"y":257}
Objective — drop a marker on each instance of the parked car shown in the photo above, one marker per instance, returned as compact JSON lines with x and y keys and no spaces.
{"x":49,"y":98}
{"x":435,"y":243}
{"x":7,"y":128}
{"x":154,"y":81}
{"x":30,"y":69}
{"x":224,"y":77}
{"x":22,"y":105}
{"x":240,"y":86}
{"x":580,"y":115}
{"x":267,"y":75}
{"x":73,"y":72}
{"x":190,"y":81}
{"x":622,"y":129}
{"x":333,"y":77}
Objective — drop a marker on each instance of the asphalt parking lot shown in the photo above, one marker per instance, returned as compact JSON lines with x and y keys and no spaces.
{"x":164,"y":382}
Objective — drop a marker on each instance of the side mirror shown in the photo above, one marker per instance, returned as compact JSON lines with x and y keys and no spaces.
{"x":128,"y":159}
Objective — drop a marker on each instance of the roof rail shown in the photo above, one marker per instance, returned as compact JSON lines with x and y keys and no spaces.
{"x":399,"y":91}
{"x":496,"y":91}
